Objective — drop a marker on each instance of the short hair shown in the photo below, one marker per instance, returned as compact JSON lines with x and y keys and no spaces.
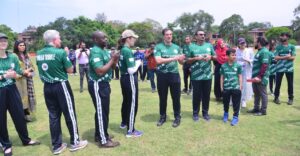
{"x":196,"y":32}
{"x":230,"y":51}
{"x":165,"y":30}
{"x":286,"y":34}
{"x":151,"y":43}
{"x":263,"y":42}
{"x":50,"y":35}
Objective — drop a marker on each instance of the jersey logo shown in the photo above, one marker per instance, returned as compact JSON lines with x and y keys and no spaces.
{"x":45,"y":66}
{"x":208,"y":49}
{"x":175,"y":51}
{"x":12,"y":65}
{"x":131,"y":59}
{"x":234,"y":69}
{"x":96,"y":59}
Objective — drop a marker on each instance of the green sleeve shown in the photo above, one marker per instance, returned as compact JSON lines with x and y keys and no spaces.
{"x":17,"y":67}
{"x":96,"y":61}
{"x":293,"y":50}
{"x":180,"y":51}
{"x":222,"y":70}
{"x":66,"y":62}
{"x":157,"y":51}
{"x":277,"y":51}
{"x":239,"y":70}
{"x":129,"y":59}
{"x":212,"y":51}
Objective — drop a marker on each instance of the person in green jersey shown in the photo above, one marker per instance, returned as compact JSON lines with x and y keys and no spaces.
{"x":129,"y":83}
{"x":186,"y":66}
{"x":260,"y":77}
{"x":10,"y":99}
{"x":231,"y":86}
{"x":101,"y":66}
{"x":167,"y":56}
{"x":200,"y":56}
{"x":53,"y":65}
{"x":272,"y":69}
{"x":285,"y":55}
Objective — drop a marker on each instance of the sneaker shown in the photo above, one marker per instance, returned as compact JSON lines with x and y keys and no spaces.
{"x":110,"y":144}
{"x":176,"y":123}
{"x":262,"y":113}
{"x":123,"y":126}
{"x":225,"y":117}
{"x":161,"y":121}
{"x":253,"y":111}
{"x":244,"y":105}
{"x":206,"y":117}
{"x":234,"y":121}
{"x":60,"y":149}
{"x":80,"y":145}
{"x":153,"y":90}
{"x":134,"y":134}
{"x":277,"y":101}
{"x":28,"y":118}
{"x":184,"y":91}
{"x":188,"y":92}
{"x":196,"y":118}
{"x":290,"y":102}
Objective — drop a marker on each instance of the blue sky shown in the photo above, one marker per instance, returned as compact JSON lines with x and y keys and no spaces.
{"x":18,"y":14}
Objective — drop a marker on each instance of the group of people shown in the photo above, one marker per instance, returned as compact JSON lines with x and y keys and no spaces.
{"x":238,"y":73}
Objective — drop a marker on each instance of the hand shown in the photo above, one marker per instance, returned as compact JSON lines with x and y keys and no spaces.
{"x":287,"y":56}
{"x":181,"y":57}
{"x":10,"y":74}
{"x":199,"y":58}
{"x":27,"y":72}
{"x":115,"y":56}
{"x":257,"y":79}
{"x":207,"y":58}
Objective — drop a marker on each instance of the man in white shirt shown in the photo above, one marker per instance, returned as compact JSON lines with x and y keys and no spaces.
{"x":82,"y":54}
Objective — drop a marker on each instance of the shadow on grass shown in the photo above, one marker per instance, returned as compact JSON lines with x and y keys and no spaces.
{"x":150,"y":117}
{"x":116,"y":128}
{"x":291,"y":122}
{"x":45,"y":140}
{"x":297,"y":107}
{"x":146,"y":90}
{"x":89,"y":135}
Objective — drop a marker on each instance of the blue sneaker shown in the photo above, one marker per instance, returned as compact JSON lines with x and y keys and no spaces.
{"x":134,"y":134}
{"x":234,"y":121}
{"x":196,"y":118}
{"x":225,"y":117}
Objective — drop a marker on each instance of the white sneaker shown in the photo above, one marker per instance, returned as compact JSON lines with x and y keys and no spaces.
{"x":244,"y":105}
{"x":80,"y":145}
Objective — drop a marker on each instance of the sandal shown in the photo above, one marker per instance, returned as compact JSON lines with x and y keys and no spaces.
{"x":32,"y":143}
{"x":6,"y":153}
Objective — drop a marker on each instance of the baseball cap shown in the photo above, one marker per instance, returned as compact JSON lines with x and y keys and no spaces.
{"x":129,"y":33}
{"x":3,"y":36}
{"x":241,"y":40}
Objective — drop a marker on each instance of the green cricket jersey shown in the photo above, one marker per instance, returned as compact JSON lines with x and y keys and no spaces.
{"x":52,"y":64}
{"x":285,"y":65}
{"x":260,"y":58}
{"x":98,"y":58}
{"x":201,"y":70}
{"x":167,"y":51}
{"x":10,"y":62}
{"x":126,"y":60}
{"x":231,"y":75}
{"x":272,"y":67}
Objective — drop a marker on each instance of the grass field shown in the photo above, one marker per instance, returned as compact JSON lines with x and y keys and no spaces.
{"x":278,"y":133}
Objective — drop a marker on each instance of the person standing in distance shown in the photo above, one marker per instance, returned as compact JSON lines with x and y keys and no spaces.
{"x":82,"y":54}
{"x":167,"y":56}
{"x":53,"y":65}
{"x":129,"y":83}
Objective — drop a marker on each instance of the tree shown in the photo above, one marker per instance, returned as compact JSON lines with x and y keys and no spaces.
{"x":101,"y":17}
{"x":190,"y":23}
{"x":275,"y":32}
{"x":296,"y":23}
{"x":231,"y":26}
{"x":261,"y":25}
{"x":12,"y":36}
{"x":145,"y":32}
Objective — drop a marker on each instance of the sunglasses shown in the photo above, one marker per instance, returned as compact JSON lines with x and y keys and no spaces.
{"x":201,"y":34}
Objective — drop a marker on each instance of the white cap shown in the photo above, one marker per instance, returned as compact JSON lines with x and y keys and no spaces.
{"x":129,"y":33}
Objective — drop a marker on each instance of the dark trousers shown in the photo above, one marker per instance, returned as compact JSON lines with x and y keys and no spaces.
{"x":217,"y":85}
{"x":164,"y":82}
{"x":129,"y":86}
{"x":201,"y":92}
{"x":74,"y":66}
{"x":271,"y":82}
{"x":235,"y":95}
{"x":260,"y":94}
{"x":186,"y":75}
{"x":100,"y":94}
{"x":10,"y":100}
{"x":83,"y":70}
{"x":59,"y":100}
{"x":151,"y":74}
{"x":290,"y":81}
{"x":117,"y":72}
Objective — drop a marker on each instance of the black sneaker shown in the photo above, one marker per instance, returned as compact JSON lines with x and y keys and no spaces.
{"x":277,"y":101}
{"x":161,"y":121}
{"x":196,"y":118}
{"x":176,"y":123}
{"x":206,"y":117}
{"x":262,"y":113}
{"x":290,"y":102}
{"x":253,"y":111}
{"x":184,"y":91}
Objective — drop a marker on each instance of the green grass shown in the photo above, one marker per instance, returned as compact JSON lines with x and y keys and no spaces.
{"x":278,"y":133}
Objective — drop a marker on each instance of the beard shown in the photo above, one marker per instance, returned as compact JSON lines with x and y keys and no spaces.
{"x":256,"y":47}
{"x":283,"y":40}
